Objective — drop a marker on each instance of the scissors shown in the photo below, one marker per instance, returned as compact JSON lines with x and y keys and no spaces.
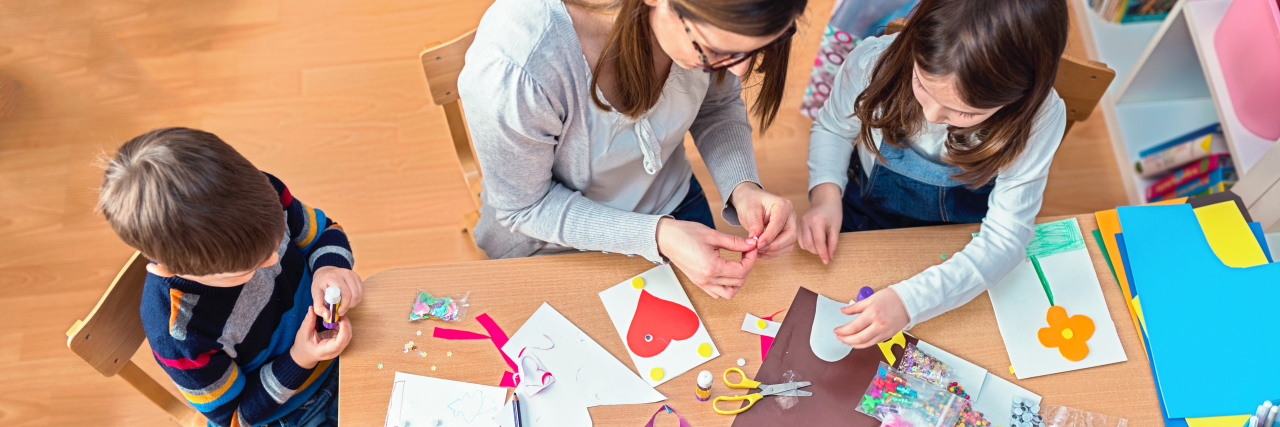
{"x":765,"y":390}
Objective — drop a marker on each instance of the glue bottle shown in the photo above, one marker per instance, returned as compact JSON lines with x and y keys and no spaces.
{"x":332,"y":298}
{"x":704,"y":386}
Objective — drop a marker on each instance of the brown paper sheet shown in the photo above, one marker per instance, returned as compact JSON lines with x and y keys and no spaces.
{"x":837,"y":386}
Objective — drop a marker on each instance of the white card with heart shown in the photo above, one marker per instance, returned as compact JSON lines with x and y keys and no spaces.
{"x":658,"y":325}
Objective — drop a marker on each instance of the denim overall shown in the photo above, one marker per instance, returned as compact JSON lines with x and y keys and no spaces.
{"x":909,"y":190}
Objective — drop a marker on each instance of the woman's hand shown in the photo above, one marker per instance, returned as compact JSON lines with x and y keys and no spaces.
{"x":695,"y":248}
{"x":820,"y":228}
{"x":883,"y":315}
{"x":767,"y":217}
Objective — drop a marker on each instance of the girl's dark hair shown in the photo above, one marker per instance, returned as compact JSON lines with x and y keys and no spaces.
{"x":630,"y":50}
{"x":1000,"y":52}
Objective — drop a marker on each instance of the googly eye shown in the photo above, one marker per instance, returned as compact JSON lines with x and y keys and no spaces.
{"x":648,"y":338}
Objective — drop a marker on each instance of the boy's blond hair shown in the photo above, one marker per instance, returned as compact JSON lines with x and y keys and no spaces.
{"x":190,"y":202}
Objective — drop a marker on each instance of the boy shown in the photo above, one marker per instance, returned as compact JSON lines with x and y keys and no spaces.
{"x":236,"y":281}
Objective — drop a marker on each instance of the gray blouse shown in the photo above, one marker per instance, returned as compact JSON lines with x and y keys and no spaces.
{"x":526,"y":92}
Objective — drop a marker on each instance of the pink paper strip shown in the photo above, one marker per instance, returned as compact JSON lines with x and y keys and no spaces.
{"x":765,"y":341}
{"x":457,"y":334}
{"x":508,"y":380}
{"x":497,"y":335}
{"x":683,"y":423}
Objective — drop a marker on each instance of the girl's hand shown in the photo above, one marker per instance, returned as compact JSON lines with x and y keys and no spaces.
{"x":883,"y":315}
{"x":695,"y":248}
{"x":767,"y":217}
{"x":310,"y":347}
{"x":820,"y":228}
{"x":346,"y":280}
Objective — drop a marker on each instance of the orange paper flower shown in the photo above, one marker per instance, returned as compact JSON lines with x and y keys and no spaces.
{"x":1068,"y":334}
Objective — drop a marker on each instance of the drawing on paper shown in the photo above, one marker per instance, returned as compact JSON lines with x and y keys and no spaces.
{"x":474,"y":404}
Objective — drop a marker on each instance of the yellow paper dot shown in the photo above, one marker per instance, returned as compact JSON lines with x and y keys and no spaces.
{"x":704,"y":350}
{"x":1066,"y":333}
{"x":637,"y":282}
{"x":762,"y":324}
{"x":656,"y":374}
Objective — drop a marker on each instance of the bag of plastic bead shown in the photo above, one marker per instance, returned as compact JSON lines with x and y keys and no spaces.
{"x":905,"y":401}
{"x":447,"y":308}
{"x":923,"y":366}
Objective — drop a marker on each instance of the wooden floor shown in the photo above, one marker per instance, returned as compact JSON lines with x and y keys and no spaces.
{"x":328,"y":95}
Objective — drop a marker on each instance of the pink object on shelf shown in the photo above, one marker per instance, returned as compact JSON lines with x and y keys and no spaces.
{"x":1248,"y":46}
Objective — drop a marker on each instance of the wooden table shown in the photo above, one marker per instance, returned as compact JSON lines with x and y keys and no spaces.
{"x":511,"y":290}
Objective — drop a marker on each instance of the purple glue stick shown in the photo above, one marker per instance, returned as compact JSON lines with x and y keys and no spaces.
{"x":332,"y":298}
{"x":865,"y":293}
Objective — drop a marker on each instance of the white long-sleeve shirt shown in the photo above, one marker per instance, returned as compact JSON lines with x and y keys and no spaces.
{"x":1012,"y":205}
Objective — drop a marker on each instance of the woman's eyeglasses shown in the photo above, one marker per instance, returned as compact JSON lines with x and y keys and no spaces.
{"x":731,"y":59}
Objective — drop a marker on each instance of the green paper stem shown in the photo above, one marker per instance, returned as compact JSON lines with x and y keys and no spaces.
{"x":1043,"y":281}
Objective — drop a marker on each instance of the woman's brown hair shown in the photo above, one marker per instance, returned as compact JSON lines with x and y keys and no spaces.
{"x":630,"y":48}
{"x":1000,"y":53}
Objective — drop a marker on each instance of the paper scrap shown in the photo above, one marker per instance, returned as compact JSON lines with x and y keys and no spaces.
{"x":658,"y":324}
{"x":415,"y":399}
{"x":586,"y":374}
{"x":1229,"y":235}
{"x":822,"y":337}
{"x":1223,"y":421}
{"x":760,"y":326}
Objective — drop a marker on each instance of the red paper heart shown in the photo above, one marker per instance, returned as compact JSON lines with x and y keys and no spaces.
{"x":657,"y":323}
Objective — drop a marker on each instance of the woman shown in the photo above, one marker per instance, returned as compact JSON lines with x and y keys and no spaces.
{"x":578,"y":111}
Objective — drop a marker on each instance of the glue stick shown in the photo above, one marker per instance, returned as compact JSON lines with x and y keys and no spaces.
{"x":332,"y":298}
{"x":704,"y":386}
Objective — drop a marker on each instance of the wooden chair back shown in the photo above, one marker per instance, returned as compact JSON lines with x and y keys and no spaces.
{"x":442,"y":62}
{"x":1080,"y":83}
{"x":112,"y":333}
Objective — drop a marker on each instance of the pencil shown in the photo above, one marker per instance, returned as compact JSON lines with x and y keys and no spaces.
{"x":516,"y":409}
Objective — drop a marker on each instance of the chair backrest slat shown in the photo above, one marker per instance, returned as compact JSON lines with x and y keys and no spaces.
{"x":112,"y":332}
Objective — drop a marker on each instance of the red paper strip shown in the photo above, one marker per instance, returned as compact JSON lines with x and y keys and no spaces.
{"x":496,"y":335}
{"x":457,"y":334}
{"x":499,"y":338}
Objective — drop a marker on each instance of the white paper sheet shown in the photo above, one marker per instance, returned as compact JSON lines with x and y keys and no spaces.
{"x":752,"y":324}
{"x":415,"y":400}
{"x":969,"y":375}
{"x":585,"y":373}
{"x":822,"y":337}
{"x":995,"y":402}
{"x":679,"y":355}
{"x":1021,"y":305}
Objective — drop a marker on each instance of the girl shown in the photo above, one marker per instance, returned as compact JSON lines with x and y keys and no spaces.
{"x":954,"y":120}
{"x":578,"y":112}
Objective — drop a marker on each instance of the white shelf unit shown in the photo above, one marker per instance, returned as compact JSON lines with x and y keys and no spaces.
{"x":1168,"y":83}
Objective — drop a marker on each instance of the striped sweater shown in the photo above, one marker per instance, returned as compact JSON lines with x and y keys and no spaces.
{"x":227,"y":349}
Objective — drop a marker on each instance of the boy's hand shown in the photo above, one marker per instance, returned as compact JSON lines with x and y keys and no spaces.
{"x":820,"y":227}
{"x":883,"y":315}
{"x":767,"y":217}
{"x":347,"y":280}
{"x":309,"y":348}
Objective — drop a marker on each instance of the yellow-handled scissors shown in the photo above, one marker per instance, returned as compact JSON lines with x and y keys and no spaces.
{"x":765,"y":390}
